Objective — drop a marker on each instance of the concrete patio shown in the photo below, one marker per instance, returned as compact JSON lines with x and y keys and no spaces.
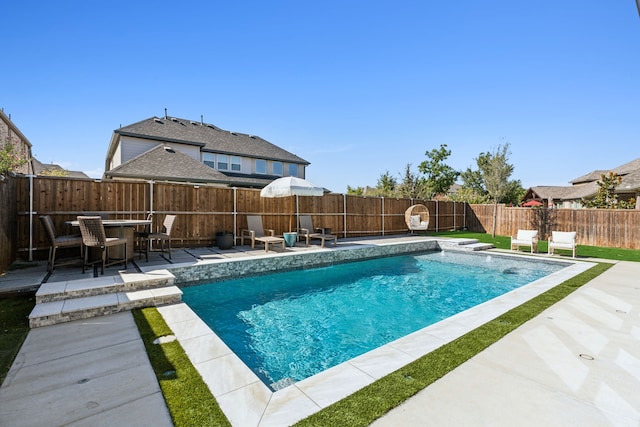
{"x":577,"y":362}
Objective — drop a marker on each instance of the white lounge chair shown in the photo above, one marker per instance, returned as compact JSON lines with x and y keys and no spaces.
{"x":307,"y":231}
{"x":525,"y":238}
{"x":255,"y":231}
{"x":563,"y":240}
{"x":417,"y":218}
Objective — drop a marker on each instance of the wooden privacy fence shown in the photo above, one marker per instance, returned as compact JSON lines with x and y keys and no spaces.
{"x":8,"y":231}
{"x":617,"y":228}
{"x":203,"y":210}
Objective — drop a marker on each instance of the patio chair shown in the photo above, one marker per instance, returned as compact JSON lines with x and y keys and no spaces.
{"x":525,"y":238}
{"x":162,"y":237}
{"x":255,"y":231}
{"x":142,"y":238}
{"x":307,"y":231}
{"x":563,"y":240}
{"x":59,"y":242}
{"x":93,"y":236}
{"x":417,"y":218}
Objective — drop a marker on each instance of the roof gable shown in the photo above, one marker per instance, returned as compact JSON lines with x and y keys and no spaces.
{"x":209,"y":137}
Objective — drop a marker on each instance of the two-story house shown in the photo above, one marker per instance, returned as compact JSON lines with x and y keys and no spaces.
{"x":10,"y":134}
{"x":586,"y":187}
{"x":178,"y":150}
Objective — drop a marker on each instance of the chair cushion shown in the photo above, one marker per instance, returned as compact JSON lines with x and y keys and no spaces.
{"x":414,"y":220}
{"x":527,"y":234}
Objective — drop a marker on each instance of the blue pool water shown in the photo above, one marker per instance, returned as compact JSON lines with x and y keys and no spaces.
{"x":291,"y":325}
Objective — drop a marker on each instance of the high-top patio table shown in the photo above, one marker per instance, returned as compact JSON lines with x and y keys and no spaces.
{"x":119,"y":228}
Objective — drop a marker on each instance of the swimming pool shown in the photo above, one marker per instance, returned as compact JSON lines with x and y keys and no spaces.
{"x":292,"y":325}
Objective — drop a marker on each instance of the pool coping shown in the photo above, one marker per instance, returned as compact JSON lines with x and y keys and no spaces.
{"x":247,"y":401}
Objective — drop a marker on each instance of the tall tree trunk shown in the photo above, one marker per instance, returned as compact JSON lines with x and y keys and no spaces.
{"x":495,"y":217}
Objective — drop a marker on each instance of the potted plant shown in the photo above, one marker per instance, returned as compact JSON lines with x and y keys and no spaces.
{"x":224,"y":239}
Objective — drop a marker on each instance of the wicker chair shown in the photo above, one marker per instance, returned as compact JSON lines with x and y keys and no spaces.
{"x":417,"y":218}
{"x":142,"y":238}
{"x":163,"y":236}
{"x":93,"y":236}
{"x":59,"y":242}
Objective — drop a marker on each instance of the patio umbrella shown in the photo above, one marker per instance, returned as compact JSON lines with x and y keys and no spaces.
{"x":532,"y":203}
{"x":290,"y":186}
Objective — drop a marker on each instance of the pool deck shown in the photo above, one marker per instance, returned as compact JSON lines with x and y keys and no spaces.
{"x":577,"y":362}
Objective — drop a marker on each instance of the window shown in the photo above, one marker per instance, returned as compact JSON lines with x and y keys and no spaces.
{"x":277,"y":168}
{"x":236,"y":164}
{"x":261,"y":166}
{"x":209,"y":159}
{"x":293,"y":169}
{"x":223,"y":162}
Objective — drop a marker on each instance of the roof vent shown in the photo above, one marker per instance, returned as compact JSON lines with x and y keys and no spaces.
{"x":252,"y":136}
{"x":169,"y":149}
{"x":233,"y":133}
{"x":157,"y":120}
{"x":174,"y":119}
{"x":194,"y":123}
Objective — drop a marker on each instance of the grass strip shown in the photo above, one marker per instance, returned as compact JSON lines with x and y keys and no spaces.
{"x":14,"y":327}
{"x":188,"y":398}
{"x":504,"y":242}
{"x":373,"y":401}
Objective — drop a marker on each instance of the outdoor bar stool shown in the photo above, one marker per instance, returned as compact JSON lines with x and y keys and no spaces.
{"x":93,"y":236}
{"x":142,"y":239}
{"x":163,"y":236}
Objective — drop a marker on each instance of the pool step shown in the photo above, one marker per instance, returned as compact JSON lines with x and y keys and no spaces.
{"x":464,"y":244}
{"x":61,"y":302}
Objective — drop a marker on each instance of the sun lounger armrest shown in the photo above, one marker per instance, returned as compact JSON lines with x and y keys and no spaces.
{"x":272,"y":233}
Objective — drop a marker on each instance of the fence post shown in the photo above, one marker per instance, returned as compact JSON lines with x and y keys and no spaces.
{"x":150,"y":198}
{"x":31,"y":218}
{"x":437,"y":216}
{"x":344,"y":214}
{"x":235,"y":213}
{"x":382,"y":199}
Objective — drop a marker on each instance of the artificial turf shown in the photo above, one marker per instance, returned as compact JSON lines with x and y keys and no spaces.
{"x":14,"y":327}
{"x":187,"y":396}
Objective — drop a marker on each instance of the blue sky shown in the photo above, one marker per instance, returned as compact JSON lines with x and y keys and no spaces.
{"x":354,"y":87}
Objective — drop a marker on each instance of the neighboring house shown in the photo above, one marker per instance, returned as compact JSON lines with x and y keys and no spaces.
{"x":179,"y":150}
{"x":51,"y":169}
{"x":586,"y":187}
{"x":9,"y":133}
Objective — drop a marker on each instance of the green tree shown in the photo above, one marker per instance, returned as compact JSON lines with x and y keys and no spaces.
{"x":472,"y":179}
{"x":439,"y":176}
{"x":55,"y":172}
{"x":496,"y":171}
{"x":10,"y":160}
{"x":356,"y":191}
{"x":412,"y":185}
{"x":466,"y":194}
{"x":386,"y":186}
{"x":606,"y":197}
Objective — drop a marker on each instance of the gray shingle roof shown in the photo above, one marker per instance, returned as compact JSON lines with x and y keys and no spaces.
{"x":573,"y":192}
{"x":165,"y":164}
{"x":208,"y":137}
{"x":39,"y":168}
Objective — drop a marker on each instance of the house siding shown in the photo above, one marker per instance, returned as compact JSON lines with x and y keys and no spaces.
{"x":131,"y":147}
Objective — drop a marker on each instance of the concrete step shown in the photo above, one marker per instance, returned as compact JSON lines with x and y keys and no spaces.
{"x":464,"y":244}
{"x":60,"y":291}
{"x":51,"y":313}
